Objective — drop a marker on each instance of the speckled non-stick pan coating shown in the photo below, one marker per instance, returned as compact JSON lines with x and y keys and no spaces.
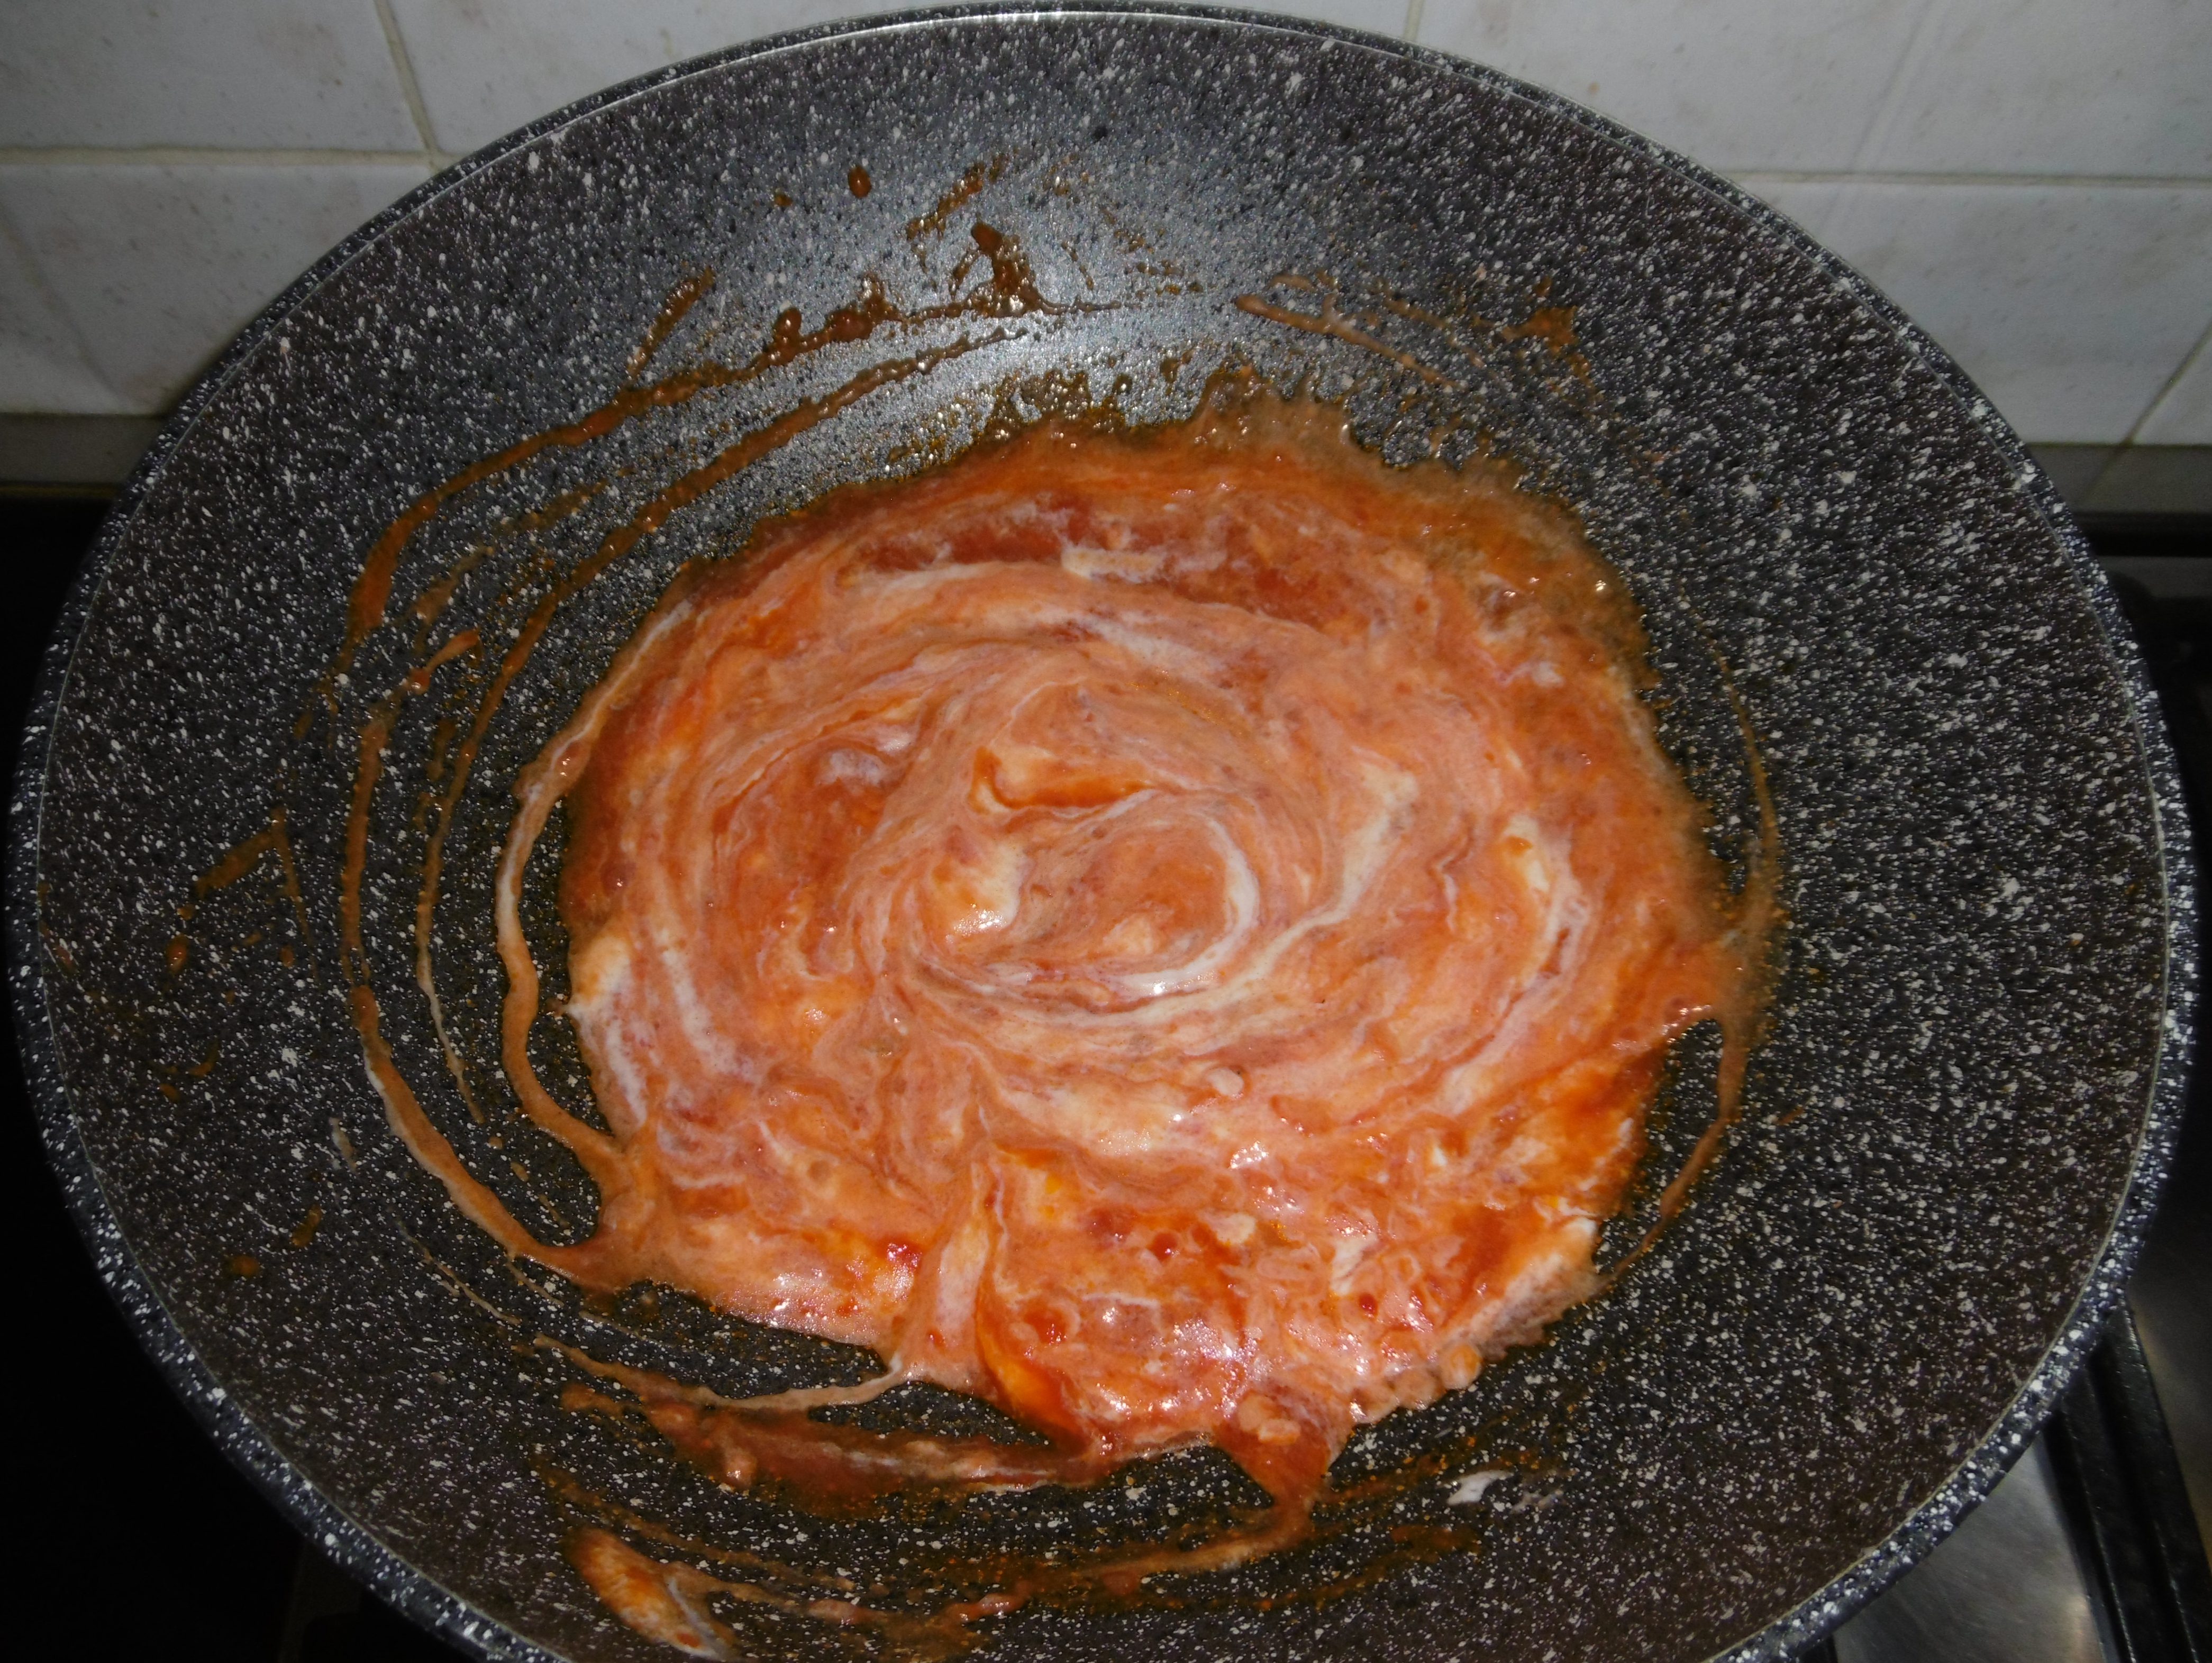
{"x":1950,"y":1138}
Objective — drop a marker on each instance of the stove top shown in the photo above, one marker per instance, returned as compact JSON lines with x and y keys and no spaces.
{"x":2090,"y":1551}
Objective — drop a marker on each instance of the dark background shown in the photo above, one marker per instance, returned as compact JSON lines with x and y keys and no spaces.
{"x":139,"y":1538}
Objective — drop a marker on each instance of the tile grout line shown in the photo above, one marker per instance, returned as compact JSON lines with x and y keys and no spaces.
{"x":2040,"y":181}
{"x":186,"y":155}
{"x":404,"y":66}
{"x":1885,"y":118}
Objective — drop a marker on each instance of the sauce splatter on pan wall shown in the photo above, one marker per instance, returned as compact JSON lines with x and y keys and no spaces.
{"x":1833,"y":543}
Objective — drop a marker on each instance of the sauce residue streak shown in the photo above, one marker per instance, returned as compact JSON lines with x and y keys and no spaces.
{"x":1010,"y":291}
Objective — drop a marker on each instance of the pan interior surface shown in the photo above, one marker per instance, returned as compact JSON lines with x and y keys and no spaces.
{"x":406,"y":525}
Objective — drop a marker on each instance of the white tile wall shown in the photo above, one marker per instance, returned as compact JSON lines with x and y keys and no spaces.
{"x":1376,"y":17}
{"x":263,"y":74}
{"x":2071,"y":87}
{"x":2029,"y":178}
{"x":156,"y":268}
{"x":1736,"y":83}
{"x":485,"y":67}
{"x":2070,"y":304}
{"x":2184,"y":415}
{"x":43,"y":365}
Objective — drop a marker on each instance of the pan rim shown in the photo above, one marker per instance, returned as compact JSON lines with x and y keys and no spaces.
{"x":400,"y":1584}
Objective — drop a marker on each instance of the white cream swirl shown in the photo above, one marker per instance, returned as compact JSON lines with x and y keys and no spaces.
{"x":1174,"y":934}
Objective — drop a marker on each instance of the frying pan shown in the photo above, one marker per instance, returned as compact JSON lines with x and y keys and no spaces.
{"x":1864,"y":601}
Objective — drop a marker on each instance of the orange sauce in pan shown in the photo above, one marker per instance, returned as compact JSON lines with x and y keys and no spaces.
{"x":1174,"y":934}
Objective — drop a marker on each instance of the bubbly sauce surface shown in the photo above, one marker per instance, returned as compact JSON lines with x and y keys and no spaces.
{"x":1174,"y":934}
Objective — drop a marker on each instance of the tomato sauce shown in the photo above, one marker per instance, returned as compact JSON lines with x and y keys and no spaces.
{"x":1173,"y":933}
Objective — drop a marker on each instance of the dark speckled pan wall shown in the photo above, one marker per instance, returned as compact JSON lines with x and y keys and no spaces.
{"x":1950,"y":1137}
